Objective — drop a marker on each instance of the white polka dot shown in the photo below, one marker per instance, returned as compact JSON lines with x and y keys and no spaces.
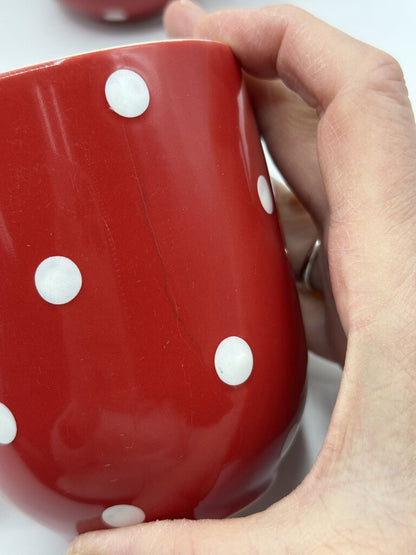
{"x":233,"y":360}
{"x":123,"y":515}
{"x":8,"y":426}
{"x":115,"y":14}
{"x":127,"y":93}
{"x":265,"y":194}
{"x":58,"y":280}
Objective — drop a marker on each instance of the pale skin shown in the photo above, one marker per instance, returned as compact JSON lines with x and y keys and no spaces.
{"x":337,"y":120}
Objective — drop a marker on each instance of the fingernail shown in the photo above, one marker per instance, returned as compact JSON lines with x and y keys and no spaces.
{"x":105,"y":542}
{"x":74,"y":548}
{"x":86,"y":545}
{"x":181,"y":18}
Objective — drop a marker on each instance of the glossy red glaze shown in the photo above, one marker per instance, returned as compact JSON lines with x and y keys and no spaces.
{"x":115,"y":393}
{"x":115,"y":10}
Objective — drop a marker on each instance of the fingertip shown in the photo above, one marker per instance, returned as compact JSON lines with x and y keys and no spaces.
{"x":181,"y":18}
{"x":74,"y":548}
{"x":93,"y":543}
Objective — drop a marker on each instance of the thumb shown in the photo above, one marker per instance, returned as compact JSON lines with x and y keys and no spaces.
{"x":237,"y":536}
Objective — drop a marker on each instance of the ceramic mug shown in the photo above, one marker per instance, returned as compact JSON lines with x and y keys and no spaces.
{"x":152,"y":355}
{"x":115,"y":10}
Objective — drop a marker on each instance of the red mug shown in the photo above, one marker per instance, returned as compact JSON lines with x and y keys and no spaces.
{"x":151,"y":344}
{"x":115,"y":10}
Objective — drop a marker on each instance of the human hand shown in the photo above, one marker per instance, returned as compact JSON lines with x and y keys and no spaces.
{"x":337,"y":120}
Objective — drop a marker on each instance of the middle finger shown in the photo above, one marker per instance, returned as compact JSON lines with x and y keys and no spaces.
{"x":289,"y":127}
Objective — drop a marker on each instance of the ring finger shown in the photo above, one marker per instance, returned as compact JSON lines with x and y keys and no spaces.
{"x":323,"y":330}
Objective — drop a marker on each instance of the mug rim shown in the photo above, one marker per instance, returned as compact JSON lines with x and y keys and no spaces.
{"x":24,"y":70}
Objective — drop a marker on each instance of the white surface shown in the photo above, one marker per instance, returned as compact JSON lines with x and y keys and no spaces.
{"x":33,"y":31}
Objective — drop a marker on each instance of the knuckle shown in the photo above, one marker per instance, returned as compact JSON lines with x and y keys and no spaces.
{"x":386,"y":66}
{"x":385,"y":75}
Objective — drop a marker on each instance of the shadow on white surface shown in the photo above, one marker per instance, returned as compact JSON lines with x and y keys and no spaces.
{"x":323,"y":385}
{"x":20,"y":535}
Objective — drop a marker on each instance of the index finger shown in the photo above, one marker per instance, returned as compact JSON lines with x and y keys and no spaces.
{"x":311,"y":57}
{"x":363,"y":86}
{"x":366,"y":138}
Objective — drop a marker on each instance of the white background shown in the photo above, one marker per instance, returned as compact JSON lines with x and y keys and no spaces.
{"x":33,"y":31}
